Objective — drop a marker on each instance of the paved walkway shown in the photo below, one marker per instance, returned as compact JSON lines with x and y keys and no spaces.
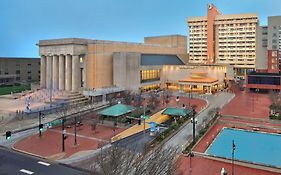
{"x":204,"y":166}
{"x":181,"y":138}
{"x":49,"y":145}
{"x":158,"y":117}
{"x":252,"y":105}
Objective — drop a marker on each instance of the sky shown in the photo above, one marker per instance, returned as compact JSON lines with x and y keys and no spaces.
{"x":24,"y":22}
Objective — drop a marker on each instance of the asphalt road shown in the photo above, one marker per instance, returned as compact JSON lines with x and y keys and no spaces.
{"x":219,"y":100}
{"x":13,"y":163}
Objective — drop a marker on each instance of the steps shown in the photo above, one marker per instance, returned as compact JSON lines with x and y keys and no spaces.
{"x":72,"y":98}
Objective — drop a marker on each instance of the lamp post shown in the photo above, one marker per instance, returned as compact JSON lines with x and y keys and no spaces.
{"x":223,"y":171}
{"x":232,"y":161}
{"x":190,"y":163}
{"x":194,"y":122}
{"x":177,"y":100}
{"x":40,"y":133}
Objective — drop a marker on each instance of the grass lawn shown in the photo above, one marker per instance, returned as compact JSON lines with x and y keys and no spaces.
{"x":14,"y":89}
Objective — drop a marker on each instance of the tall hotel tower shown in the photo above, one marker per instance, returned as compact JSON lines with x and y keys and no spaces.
{"x":228,"y":39}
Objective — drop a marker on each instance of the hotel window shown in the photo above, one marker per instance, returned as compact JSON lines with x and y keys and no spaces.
{"x":150,"y":75}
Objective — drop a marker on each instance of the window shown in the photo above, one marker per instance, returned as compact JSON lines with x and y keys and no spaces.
{"x":149,"y":75}
{"x":17,"y":78}
{"x":29,"y":77}
{"x":17,"y":71}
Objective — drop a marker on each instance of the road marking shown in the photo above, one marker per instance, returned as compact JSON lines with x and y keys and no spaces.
{"x":44,"y":163}
{"x":26,"y":171}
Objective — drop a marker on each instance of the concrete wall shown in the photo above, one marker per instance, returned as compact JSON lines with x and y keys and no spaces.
{"x":100,"y":59}
{"x":126,"y":70}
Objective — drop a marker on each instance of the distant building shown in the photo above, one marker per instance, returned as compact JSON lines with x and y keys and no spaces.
{"x":266,"y":79}
{"x":223,"y":39}
{"x":14,"y":70}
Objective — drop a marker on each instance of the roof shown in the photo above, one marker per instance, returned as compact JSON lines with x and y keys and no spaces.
{"x":264,"y":74}
{"x":199,"y":80}
{"x":176,"y":111}
{"x":117,"y":110}
{"x":156,"y":60}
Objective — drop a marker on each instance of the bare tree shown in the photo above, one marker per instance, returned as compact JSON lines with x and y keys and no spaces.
{"x":94,"y":125}
{"x":120,"y":161}
{"x":127,"y":97}
{"x":154,"y":100}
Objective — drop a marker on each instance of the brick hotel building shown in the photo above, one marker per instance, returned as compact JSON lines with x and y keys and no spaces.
{"x":227,"y":39}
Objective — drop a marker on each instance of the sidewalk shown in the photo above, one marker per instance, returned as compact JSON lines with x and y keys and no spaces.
{"x":49,"y":145}
{"x":251,"y":105}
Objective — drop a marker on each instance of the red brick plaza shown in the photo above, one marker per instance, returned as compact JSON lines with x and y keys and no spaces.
{"x":50,"y":144}
{"x":239,"y":114}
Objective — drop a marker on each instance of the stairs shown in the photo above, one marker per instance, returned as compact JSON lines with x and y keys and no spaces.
{"x":72,"y":98}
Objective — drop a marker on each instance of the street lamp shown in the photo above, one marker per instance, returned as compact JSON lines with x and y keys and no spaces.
{"x":232,"y":162}
{"x":194,"y":122}
{"x":177,"y":100}
{"x":190,"y":156}
{"x":223,"y":171}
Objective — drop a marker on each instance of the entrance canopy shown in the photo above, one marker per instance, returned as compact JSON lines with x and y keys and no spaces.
{"x":117,"y":110}
{"x":176,"y":112}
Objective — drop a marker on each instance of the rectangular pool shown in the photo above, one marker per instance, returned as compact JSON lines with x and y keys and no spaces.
{"x":257,"y":147}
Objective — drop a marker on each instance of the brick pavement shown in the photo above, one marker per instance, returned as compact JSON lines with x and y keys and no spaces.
{"x":50,"y":144}
{"x":246,"y":104}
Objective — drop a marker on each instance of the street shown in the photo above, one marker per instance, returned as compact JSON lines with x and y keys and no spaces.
{"x":16,"y":163}
{"x":219,"y":100}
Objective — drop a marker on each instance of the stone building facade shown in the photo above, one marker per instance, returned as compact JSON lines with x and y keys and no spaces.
{"x":74,"y":63}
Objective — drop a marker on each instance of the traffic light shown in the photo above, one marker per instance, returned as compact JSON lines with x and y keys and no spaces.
{"x":139,"y":122}
{"x":8,"y":135}
{"x":41,"y":127}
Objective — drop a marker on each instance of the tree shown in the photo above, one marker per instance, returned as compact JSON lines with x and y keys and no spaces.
{"x":94,"y":125}
{"x":120,"y":161}
{"x":154,"y":100}
{"x":127,"y":97}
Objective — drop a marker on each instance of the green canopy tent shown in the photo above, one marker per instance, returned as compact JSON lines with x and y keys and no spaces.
{"x":177,"y":112}
{"x":117,"y":110}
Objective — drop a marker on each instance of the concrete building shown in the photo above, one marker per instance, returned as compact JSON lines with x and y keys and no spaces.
{"x":272,"y":33}
{"x":71,"y":64}
{"x":19,"y":70}
{"x":224,"y":39}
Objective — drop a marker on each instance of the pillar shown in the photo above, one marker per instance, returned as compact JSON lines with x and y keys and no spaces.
{"x":68,"y":72}
{"x":55,"y":72}
{"x":49,"y":72}
{"x":61,"y":72}
{"x":43,"y":71}
{"x":75,"y":73}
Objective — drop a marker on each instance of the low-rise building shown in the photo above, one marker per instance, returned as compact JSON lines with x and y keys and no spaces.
{"x":17,"y":70}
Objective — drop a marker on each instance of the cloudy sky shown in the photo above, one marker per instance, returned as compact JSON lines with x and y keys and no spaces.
{"x":24,"y":22}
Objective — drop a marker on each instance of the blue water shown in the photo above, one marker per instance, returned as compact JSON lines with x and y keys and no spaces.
{"x":254,"y":147}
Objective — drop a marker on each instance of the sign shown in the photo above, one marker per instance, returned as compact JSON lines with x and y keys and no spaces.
{"x":145,"y":117}
{"x":152,"y":126}
{"x":55,"y":123}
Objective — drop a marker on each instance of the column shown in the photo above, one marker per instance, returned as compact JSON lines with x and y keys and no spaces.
{"x":43,"y":71}
{"x":55,"y":72}
{"x":68,"y":72}
{"x":49,"y":72}
{"x":75,"y":73}
{"x":61,"y":72}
